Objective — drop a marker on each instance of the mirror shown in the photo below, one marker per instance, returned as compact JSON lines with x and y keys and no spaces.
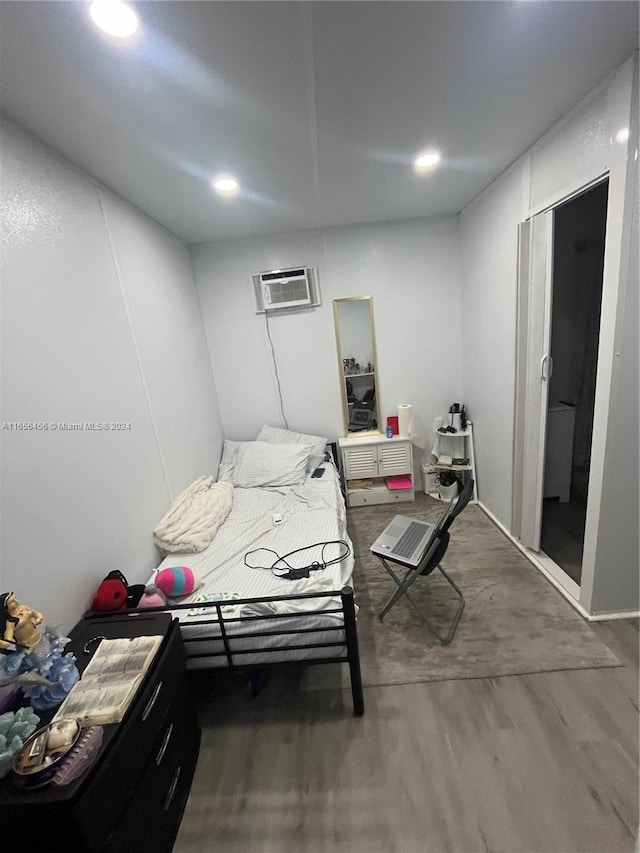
{"x":357,"y":363}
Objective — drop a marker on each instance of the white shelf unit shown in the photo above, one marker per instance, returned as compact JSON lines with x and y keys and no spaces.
{"x":458,"y":445}
{"x":375,"y":458}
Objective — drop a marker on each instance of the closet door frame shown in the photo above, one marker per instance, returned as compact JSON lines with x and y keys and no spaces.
{"x":535,"y":274}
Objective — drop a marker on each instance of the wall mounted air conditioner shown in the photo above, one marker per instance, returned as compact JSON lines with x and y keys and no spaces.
{"x":280,"y":290}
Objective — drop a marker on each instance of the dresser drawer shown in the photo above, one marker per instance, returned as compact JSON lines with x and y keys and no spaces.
{"x":133,"y":744}
{"x":381,"y":495}
{"x":153,"y":814}
{"x":146,"y":760}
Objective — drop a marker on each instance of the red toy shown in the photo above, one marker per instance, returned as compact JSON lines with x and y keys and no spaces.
{"x":112,"y":593}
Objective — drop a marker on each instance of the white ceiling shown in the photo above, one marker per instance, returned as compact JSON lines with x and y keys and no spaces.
{"x":319,"y":108}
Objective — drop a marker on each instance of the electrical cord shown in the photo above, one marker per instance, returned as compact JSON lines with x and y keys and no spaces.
{"x":275,"y":367}
{"x":288,"y":572}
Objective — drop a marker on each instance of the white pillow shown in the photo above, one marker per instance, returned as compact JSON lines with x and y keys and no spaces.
{"x":225,"y":468}
{"x":249,"y":464}
{"x":276,"y":435}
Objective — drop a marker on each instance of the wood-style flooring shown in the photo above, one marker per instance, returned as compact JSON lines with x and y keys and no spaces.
{"x":523,"y":763}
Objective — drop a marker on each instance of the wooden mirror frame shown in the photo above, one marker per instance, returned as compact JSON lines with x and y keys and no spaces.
{"x":342,"y":348}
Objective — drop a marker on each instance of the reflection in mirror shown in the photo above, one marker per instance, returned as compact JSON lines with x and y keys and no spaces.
{"x":357,"y":362}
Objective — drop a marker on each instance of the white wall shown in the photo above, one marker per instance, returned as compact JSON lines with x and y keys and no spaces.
{"x":100,"y":322}
{"x":158,"y":286}
{"x":616,"y":587}
{"x":489,"y":241}
{"x":412,"y":270}
{"x":571,"y":154}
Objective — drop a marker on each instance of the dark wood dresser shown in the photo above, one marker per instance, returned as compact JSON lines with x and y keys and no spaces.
{"x":132,"y":798}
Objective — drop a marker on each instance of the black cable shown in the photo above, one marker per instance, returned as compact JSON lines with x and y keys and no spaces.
{"x":288,"y":571}
{"x":275,"y":366}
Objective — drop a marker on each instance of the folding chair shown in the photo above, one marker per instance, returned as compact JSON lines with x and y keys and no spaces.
{"x":433,"y":554}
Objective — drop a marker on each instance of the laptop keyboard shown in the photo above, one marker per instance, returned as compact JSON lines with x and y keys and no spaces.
{"x":406,"y":544}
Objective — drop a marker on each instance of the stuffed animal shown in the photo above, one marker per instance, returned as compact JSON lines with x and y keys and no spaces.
{"x":134,"y":594}
{"x":177,"y":581}
{"x":112,"y":593}
{"x":152,"y":597}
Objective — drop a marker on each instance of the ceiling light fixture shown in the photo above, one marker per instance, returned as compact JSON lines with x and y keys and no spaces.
{"x":225,"y":185}
{"x":114,"y":17}
{"x":623,"y":134}
{"x":427,"y":160}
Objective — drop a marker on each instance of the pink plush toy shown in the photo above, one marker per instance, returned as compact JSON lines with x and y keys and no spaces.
{"x":152,"y":597}
{"x":176,"y":581}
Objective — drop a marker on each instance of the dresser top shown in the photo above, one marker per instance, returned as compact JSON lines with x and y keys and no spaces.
{"x":355,"y":441}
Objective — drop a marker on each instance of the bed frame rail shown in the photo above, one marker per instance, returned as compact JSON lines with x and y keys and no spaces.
{"x":222,"y":622}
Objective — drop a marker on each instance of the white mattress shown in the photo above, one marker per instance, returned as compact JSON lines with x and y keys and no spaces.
{"x":312,"y":512}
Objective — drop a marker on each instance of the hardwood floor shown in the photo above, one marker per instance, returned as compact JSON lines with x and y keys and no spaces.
{"x":544,"y":762}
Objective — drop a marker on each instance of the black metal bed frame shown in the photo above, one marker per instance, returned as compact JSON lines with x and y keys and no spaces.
{"x":348,"y":626}
{"x":346,"y":650}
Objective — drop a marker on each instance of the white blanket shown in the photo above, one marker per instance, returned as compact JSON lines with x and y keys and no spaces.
{"x":194,"y":517}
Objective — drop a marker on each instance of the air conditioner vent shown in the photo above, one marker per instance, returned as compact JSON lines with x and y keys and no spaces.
{"x":279,"y":290}
{"x":282,"y":274}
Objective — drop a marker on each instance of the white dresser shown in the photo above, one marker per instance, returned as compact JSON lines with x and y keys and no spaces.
{"x":377,"y":470}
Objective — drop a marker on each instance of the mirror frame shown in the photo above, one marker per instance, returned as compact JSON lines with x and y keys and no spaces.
{"x":341,"y":373}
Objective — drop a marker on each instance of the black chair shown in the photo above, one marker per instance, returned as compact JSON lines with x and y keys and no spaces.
{"x":435,"y":550}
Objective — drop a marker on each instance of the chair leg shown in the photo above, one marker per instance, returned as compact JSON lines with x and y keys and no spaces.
{"x":398,"y":593}
{"x":446,"y":639}
{"x":403,"y":589}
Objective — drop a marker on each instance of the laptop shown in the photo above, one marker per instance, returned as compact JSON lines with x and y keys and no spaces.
{"x":406,"y":540}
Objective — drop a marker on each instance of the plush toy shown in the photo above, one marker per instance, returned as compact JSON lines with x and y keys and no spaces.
{"x":112,"y":593}
{"x":177,"y":581}
{"x":134,"y":594}
{"x":152,"y":597}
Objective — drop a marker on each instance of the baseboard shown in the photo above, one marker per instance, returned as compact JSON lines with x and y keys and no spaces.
{"x":618,"y":614}
{"x":542,"y":568}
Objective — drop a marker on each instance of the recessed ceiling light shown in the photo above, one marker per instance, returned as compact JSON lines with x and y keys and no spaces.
{"x":225,"y":185}
{"x":623,"y":134}
{"x":427,"y":160}
{"x":114,"y":17}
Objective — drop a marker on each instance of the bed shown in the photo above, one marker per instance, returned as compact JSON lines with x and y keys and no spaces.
{"x":246,"y":614}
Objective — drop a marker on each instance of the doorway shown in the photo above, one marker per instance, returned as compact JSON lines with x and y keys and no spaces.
{"x":552,"y":468}
{"x":578,"y":262}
